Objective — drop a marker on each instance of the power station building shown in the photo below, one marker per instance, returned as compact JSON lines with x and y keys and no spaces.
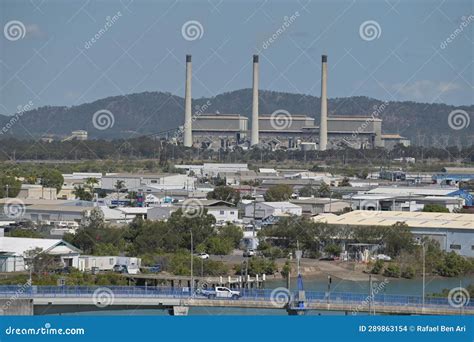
{"x":282,"y":129}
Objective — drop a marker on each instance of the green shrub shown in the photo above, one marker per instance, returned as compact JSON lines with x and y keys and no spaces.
{"x":377,"y":268}
{"x":408,"y":272}
{"x":392,"y":270}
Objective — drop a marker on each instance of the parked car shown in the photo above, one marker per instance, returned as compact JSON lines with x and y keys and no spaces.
{"x":249,"y":253}
{"x":155,"y":268}
{"x":383,"y":257}
{"x":221,"y":292}
{"x":203,"y":256}
{"x":120,"y":268}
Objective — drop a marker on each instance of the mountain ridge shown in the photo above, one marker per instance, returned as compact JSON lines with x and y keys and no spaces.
{"x":152,"y":112}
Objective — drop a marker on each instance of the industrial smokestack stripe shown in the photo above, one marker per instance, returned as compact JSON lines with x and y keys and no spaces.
{"x":323,"y":127}
{"x":254,"y":135}
{"x":188,"y":120}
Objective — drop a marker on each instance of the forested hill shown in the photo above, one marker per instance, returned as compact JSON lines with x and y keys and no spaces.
{"x":152,"y":112}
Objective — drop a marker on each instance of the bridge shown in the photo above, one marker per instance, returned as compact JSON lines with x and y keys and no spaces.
{"x":40,"y":300}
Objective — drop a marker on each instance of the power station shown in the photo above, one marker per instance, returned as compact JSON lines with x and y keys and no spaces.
{"x":282,"y":130}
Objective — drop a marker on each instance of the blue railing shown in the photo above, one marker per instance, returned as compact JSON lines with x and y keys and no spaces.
{"x":353,"y":299}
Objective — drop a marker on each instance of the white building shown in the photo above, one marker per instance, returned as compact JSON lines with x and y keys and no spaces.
{"x":454,"y":232}
{"x":140,"y":182}
{"x":265,"y":209}
{"x":13,"y":252}
{"x":36,"y":191}
{"x":107,"y":263}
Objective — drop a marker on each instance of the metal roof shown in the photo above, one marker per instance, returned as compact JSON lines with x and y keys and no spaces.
{"x":412,"y":219}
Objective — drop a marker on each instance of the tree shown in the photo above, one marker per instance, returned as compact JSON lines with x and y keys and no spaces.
{"x":9,"y":186}
{"x":81,"y":193}
{"x":40,"y":262}
{"x":232,"y":233}
{"x":224,"y":193}
{"x":119,"y":185}
{"x":345,"y":182}
{"x":377,"y":268}
{"x":435,"y":208}
{"x":324,"y":190}
{"x":392,"y":270}
{"x":333,"y":249}
{"x":277,"y":193}
{"x":52,"y":179}
{"x":398,"y":237}
{"x":308,"y":191}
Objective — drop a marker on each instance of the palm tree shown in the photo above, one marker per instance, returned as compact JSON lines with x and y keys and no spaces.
{"x":90,"y":185}
{"x":119,"y":185}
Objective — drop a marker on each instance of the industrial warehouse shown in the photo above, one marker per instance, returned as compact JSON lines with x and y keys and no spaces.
{"x":281,"y":129}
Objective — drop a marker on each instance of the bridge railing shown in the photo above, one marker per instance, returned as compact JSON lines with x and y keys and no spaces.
{"x":353,"y":299}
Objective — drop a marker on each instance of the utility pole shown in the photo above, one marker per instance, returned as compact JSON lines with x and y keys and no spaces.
{"x":192,"y":257}
{"x":370,"y":294}
{"x":423,"y":295}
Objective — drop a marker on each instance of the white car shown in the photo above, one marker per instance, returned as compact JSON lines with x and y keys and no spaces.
{"x":383,"y":257}
{"x":221,"y":292}
{"x":203,"y":256}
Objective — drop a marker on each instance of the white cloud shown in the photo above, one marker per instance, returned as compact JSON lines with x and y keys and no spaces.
{"x":425,"y":90}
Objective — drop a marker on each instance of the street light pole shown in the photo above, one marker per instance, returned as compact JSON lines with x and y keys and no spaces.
{"x":424,"y":257}
{"x":192,"y":266}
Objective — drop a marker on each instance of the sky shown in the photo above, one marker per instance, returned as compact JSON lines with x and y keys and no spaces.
{"x":415,"y":50}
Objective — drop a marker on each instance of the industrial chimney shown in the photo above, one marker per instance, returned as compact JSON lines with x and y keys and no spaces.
{"x":323,"y":127}
{"x":188,"y":120}
{"x":254,"y":136}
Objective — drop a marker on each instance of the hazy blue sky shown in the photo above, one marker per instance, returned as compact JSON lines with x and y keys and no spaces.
{"x":144,"y":49}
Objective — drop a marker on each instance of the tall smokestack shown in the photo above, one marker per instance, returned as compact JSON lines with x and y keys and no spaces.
{"x":323,"y":127}
{"x":188,"y":120}
{"x":254,"y":138}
